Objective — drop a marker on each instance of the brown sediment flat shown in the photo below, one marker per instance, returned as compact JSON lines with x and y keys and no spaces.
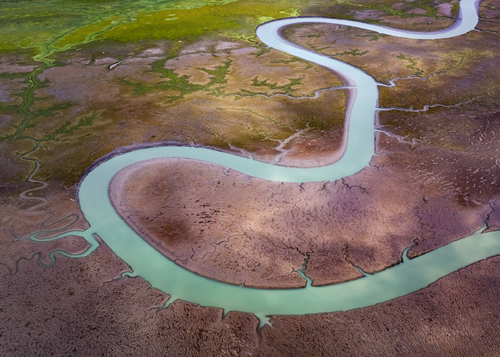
{"x":231,"y":227}
{"x":204,"y":217}
{"x":425,"y":72}
{"x":489,"y":14}
{"x":82,"y":306}
{"x":456,"y":316}
{"x":457,"y":186}
{"x":314,"y":151}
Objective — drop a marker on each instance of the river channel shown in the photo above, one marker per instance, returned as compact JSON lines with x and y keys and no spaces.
{"x":399,"y":280}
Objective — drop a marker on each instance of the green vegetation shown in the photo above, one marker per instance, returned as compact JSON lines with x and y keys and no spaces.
{"x":239,"y":17}
{"x":354,"y":52}
{"x":87,"y":33}
{"x":13,"y":75}
{"x":67,"y":129}
{"x":261,"y":52}
{"x":182,"y":86}
{"x":62,"y":24}
{"x":28,"y":96}
{"x":50,"y":26}
{"x":10,"y":108}
{"x":51,"y":111}
{"x":218,"y":75}
{"x":412,"y":65}
{"x":287,"y":88}
{"x":293,"y":59}
{"x":373,"y":37}
{"x":28,"y":24}
{"x":179,"y":84}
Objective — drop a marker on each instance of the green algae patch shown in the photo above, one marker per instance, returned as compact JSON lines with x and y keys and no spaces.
{"x":38,"y":24}
{"x":33,"y":25}
{"x":218,"y":75}
{"x":86,"y":33}
{"x":189,"y":24}
{"x":65,"y":23}
{"x":66,"y":128}
{"x":52,"y":111}
{"x":354,"y":52}
{"x":178,"y":86}
{"x":272,"y":89}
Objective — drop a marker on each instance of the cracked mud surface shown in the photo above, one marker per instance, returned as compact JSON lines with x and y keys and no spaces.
{"x":83,"y":300}
{"x":238,"y":229}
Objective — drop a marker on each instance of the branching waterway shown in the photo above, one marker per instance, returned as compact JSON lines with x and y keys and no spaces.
{"x":162,"y":273}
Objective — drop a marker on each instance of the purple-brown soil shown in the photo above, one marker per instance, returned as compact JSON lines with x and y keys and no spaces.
{"x":239,"y":229}
{"x":82,"y":307}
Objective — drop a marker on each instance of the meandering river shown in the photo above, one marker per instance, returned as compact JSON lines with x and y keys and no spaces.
{"x":162,"y":273}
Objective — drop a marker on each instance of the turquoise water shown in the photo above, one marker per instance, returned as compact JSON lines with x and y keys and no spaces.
{"x":167,"y":276}
{"x":399,"y":280}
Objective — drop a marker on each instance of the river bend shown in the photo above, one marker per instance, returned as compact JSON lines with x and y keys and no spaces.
{"x":404,"y":278}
